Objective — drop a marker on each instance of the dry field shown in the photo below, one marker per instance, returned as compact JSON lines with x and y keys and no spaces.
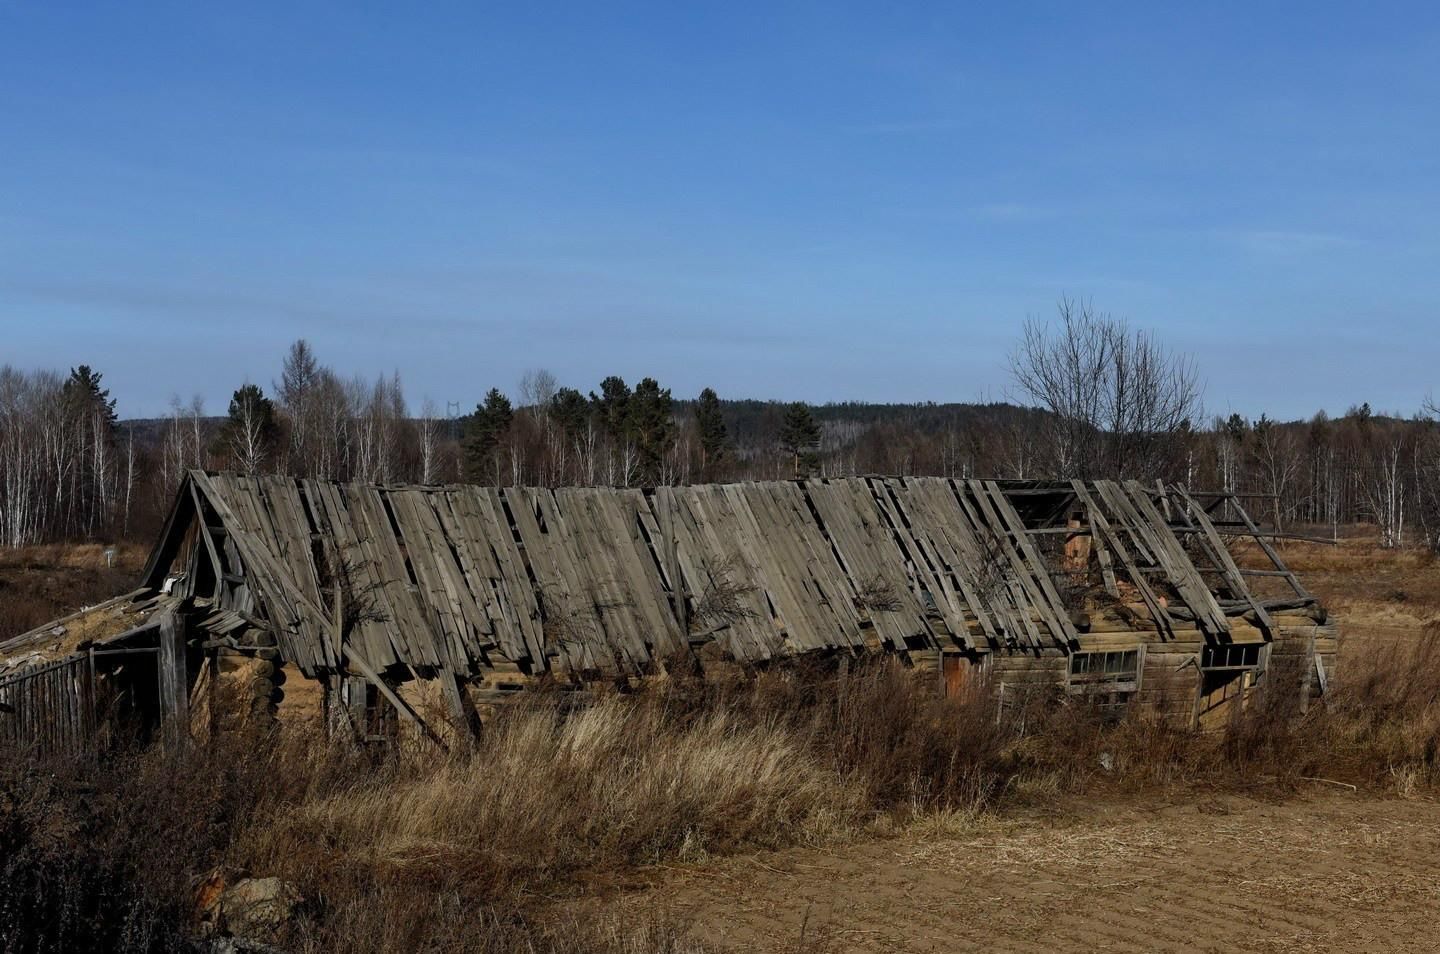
{"x":41,"y":583}
{"x":1326,"y":869}
{"x":1326,"y":872}
{"x":1377,"y":594}
{"x":788,"y":814}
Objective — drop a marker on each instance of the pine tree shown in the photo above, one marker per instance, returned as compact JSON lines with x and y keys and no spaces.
{"x":83,"y":396}
{"x":250,"y":429}
{"x":612,"y":406}
{"x":484,"y":432}
{"x":653,"y":424}
{"x":570,"y":411}
{"x":90,"y":418}
{"x":714,"y":438}
{"x":800,"y":438}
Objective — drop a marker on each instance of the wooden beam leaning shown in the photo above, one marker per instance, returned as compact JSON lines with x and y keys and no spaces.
{"x":359,"y":662}
{"x":1226,"y":562}
{"x":172,"y":679}
{"x":1259,"y":536}
{"x":1173,"y":557}
{"x":257,"y":557}
{"x":1099,"y":521}
{"x":1057,"y":616}
{"x":209,"y":541}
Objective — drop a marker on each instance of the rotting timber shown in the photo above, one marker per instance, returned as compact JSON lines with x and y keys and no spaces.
{"x":428,"y":604}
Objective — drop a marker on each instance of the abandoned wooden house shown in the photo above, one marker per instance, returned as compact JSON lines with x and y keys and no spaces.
{"x":376,"y":605}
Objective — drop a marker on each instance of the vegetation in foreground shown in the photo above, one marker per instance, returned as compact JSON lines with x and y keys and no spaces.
{"x":408,"y":850}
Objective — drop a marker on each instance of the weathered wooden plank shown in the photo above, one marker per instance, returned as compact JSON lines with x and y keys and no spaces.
{"x":1052,"y":606}
{"x":1101,"y":522}
{"x":1221,"y":554}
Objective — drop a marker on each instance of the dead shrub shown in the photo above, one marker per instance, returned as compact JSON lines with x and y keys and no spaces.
{"x":908,"y":745}
{"x":547,"y":794}
{"x":877,"y":595}
{"x":409,"y":850}
{"x":99,"y":851}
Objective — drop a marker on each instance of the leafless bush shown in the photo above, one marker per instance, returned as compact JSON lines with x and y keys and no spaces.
{"x":566,"y":627}
{"x":415,"y":851}
{"x":877,"y":595}
{"x":725,"y":599}
{"x":360,"y":589}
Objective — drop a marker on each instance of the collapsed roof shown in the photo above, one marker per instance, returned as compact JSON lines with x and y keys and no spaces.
{"x":581,"y":579}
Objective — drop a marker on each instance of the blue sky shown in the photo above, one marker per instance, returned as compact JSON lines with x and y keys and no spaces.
{"x":802,"y":201}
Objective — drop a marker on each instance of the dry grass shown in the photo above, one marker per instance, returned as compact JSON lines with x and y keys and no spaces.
{"x":486,"y":850}
{"x":1358,"y":578}
{"x":41,"y":583}
{"x":129,"y":557}
{"x":548,"y":795}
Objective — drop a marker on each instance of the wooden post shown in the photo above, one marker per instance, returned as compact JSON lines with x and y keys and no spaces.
{"x":346,"y":702}
{"x":172,"y":678}
{"x":91,"y":722}
{"x":460,"y":713}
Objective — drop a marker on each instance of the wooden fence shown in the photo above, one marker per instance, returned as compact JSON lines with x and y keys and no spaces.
{"x":49,"y":707}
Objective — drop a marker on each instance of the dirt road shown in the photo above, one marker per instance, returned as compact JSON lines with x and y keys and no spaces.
{"x":1334,"y":872}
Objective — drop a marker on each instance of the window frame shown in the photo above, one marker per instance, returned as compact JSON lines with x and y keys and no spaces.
{"x":1210,"y":650}
{"x":1105,"y":680}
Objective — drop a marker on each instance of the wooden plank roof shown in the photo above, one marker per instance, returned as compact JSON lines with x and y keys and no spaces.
{"x":462,"y":576}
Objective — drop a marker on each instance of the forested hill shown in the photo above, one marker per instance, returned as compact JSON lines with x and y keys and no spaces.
{"x":70,"y":470}
{"x":760,"y":420}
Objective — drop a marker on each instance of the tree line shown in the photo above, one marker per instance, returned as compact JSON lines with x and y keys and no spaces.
{"x":1097,"y":398}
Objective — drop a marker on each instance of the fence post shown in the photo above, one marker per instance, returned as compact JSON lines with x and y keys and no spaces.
{"x":171,"y":673}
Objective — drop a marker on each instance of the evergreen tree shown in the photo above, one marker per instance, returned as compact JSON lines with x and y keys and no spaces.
{"x":612,"y":407}
{"x":800,"y":438}
{"x":83,"y":396}
{"x":714,"y":438}
{"x":1236,"y":427}
{"x":484,"y":432}
{"x":249,"y":433}
{"x":569,"y":410}
{"x":653,"y":425}
{"x":89,"y":414}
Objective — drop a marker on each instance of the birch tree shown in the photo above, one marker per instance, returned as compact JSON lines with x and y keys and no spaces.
{"x":1116,"y":397}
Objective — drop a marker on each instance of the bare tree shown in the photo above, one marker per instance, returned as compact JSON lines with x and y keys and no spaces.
{"x":1427,"y":471}
{"x":1116,"y":396}
{"x":427,"y":439}
{"x":299,"y":381}
{"x":1382,"y":487}
{"x":1277,"y":458}
{"x":183,"y":444}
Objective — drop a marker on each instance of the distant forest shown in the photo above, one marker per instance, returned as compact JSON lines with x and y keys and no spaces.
{"x":1107,"y":401}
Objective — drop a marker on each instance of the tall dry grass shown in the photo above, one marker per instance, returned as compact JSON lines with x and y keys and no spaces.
{"x":549,"y":795}
{"x":481,"y":850}
{"x":42,"y":583}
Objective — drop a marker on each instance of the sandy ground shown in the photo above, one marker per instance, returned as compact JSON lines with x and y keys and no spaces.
{"x":1330,"y":872}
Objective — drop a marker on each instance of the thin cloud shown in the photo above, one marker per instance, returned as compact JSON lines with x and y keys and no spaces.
{"x":904,"y":127}
{"x":1287,"y":242}
{"x":1014,"y":212}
